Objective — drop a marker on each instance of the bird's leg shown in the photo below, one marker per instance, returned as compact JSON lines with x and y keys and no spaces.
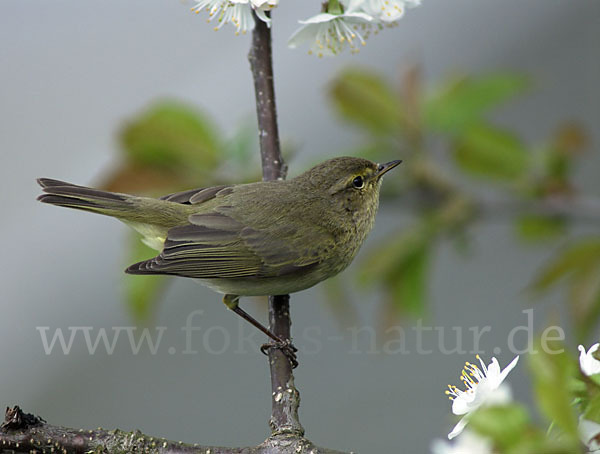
{"x":285,"y":345}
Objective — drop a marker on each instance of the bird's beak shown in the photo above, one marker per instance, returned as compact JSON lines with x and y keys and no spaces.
{"x":383,"y":168}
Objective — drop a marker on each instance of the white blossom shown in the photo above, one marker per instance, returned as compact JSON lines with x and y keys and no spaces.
{"x":589,"y":433}
{"x":330,"y":33}
{"x":236,"y":12}
{"x":483,"y":386}
{"x":384,"y":10}
{"x":467,"y":443}
{"x":588,"y":363}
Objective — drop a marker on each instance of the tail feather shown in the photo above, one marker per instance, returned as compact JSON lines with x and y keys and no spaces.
{"x":80,"y":197}
{"x":151,"y":217}
{"x":49,"y":182}
{"x":143,"y":267}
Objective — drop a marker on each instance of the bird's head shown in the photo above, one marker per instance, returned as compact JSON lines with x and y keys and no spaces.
{"x":352,"y":183}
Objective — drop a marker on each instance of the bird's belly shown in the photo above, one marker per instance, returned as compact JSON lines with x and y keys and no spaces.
{"x":280,"y":285}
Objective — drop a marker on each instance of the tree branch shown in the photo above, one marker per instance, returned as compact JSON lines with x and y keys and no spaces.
{"x":25,"y":433}
{"x":285,"y":396}
{"x":261,"y":64}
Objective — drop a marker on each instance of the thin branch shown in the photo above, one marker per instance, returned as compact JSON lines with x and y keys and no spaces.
{"x":285,"y":396}
{"x":261,"y":64}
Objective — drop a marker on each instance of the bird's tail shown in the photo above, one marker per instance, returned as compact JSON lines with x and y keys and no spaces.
{"x":128,"y":208}
{"x":81,"y":198}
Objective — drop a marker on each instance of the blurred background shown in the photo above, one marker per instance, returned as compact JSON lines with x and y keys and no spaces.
{"x":494,"y":108}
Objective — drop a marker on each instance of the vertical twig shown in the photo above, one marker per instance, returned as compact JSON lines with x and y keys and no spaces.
{"x":285,"y":396}
{"x":261,"y":63}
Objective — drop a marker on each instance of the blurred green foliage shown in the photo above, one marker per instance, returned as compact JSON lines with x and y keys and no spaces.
{"x":462,"y":102}
{"x":578,"y":264}
{"x":553,"y":375}
{"x":451,"y":144}
{"x":172,"y":137}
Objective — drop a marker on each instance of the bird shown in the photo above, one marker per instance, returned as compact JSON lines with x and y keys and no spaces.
{"x":255,"y":239}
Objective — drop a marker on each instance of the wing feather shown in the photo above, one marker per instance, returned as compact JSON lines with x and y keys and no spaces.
{"x":224,"y":243}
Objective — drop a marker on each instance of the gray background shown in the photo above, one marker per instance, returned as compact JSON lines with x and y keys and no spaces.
{"x":72,"y":71}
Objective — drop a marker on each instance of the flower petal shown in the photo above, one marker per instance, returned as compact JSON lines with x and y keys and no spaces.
{"x":493,"y":369}
{"x":303,"y":34}
{"x":588,"y":431}
{"x":319,"y":18}
{"x":384,"y":10}
{"x":468,"y":443}
{"x":359,"y":16}
{"x":499,"y":396}
{"x":463,"y":403}
{"x":507,"y":369}
{"x":458,"y":428}
{"x":588,"y":363}
{"x":260,"y":13}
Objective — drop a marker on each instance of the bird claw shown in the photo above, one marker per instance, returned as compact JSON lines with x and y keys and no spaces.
{"x":286,"y":347}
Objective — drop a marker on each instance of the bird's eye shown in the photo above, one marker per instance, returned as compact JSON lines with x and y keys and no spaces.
{"x":358,"y":182}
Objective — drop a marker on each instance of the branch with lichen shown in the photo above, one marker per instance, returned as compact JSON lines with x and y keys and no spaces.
{"x":23,"y":432}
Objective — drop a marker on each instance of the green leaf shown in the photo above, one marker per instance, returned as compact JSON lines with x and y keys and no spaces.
{"x":592,"y":411}
{"x":581,"y":254}
{"x":463,"y":102}
{"x":552,"y":375}
{"x":492,"y":153}
{"x":401,"y":263}
{"x":393,"y":254}
{"x":171,"y":135}
{"x":142,"y":292}
{"x":504,"y":425}
{"x":408,"y":283}
{"x":584,"y":298}
{"x":366,"y":99}
{"x":532,"y":227}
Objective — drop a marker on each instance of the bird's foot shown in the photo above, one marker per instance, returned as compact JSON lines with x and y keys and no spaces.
{"x":286,"y":347}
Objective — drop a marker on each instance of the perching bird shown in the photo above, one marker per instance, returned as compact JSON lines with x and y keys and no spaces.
{"x":264,"y":238}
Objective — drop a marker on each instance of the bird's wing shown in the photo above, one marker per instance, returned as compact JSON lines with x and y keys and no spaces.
{"x":196,"y":196}
{"x":215,"y":245}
